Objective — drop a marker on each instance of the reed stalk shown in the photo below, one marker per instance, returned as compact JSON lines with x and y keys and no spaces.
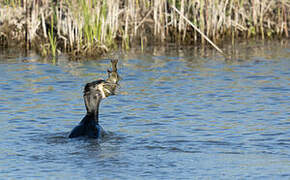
{"x":52,"y":38}
{"x":199,"y":31}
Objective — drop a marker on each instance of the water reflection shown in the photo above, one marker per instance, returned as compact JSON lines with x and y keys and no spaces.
{"x":179,"y":111}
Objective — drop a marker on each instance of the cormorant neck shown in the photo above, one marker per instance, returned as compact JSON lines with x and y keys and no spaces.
{"x":92,"y":102}
{"x":94,"y":115}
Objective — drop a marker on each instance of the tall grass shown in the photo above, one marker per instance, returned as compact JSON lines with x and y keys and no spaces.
{"x":93,"y":27}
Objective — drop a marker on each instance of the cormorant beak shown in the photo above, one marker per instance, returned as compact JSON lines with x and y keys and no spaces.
{"x":103,"y":91}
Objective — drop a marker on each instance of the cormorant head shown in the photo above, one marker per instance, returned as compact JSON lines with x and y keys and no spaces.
{"x":93,"y":94}
{"x":95,"y":91}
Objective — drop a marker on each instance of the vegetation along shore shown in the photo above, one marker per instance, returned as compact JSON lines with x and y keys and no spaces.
{"x":94,"y":27}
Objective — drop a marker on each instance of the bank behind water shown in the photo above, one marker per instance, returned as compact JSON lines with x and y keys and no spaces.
{"x":91,"y":27}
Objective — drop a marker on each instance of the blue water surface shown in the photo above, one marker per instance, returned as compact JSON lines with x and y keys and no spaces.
{"x":180,"y":113}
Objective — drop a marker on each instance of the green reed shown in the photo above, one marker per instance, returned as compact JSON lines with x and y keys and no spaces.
{"x":52,"y":38}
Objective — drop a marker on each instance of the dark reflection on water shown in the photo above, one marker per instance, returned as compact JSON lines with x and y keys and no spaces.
{"x":180,"y":113}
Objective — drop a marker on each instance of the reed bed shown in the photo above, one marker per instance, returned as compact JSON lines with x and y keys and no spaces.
{"x":94,"y":27}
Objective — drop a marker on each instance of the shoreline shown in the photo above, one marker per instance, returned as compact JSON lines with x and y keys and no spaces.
{"x":89,"y":28}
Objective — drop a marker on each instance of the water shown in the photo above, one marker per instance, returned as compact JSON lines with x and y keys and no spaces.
{"x":179,"y":114}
